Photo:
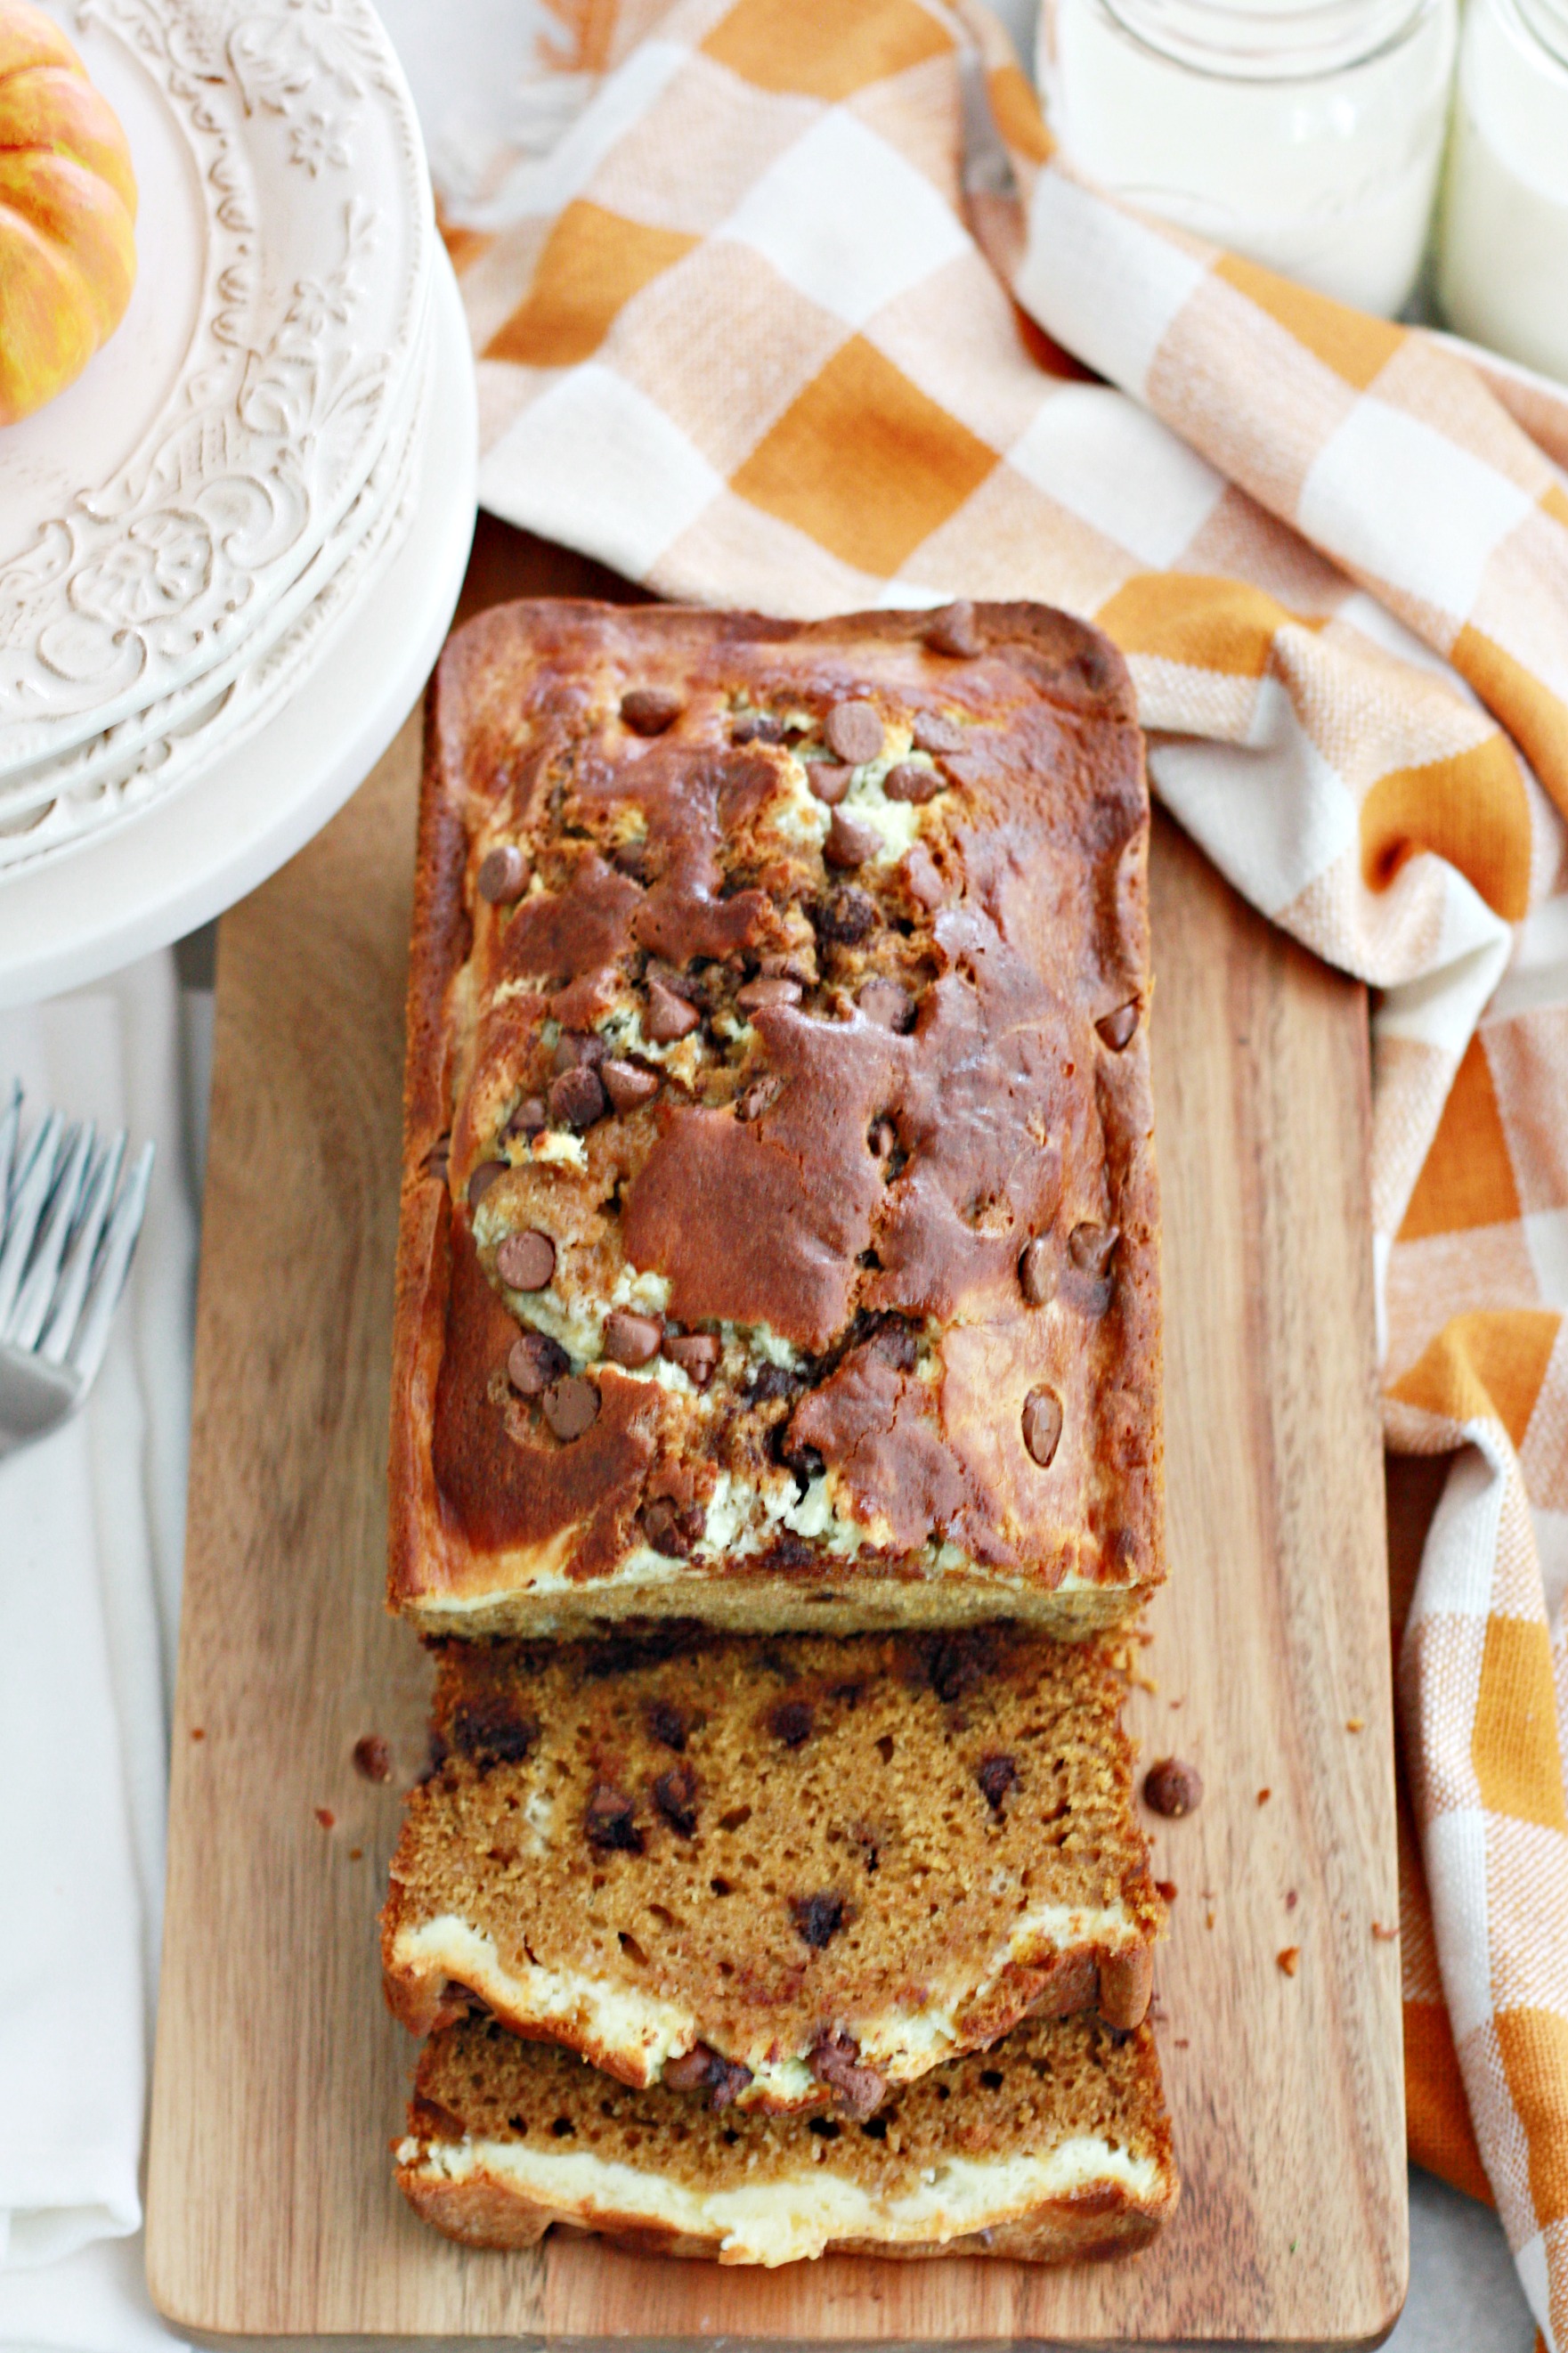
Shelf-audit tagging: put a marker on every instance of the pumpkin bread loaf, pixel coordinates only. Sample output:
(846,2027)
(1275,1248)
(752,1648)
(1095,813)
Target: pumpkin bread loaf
(790,1872)
(779,1221)
(1052,2147)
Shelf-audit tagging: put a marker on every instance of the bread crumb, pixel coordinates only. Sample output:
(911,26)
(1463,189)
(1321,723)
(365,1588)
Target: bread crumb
(1291,1899)
(1289,1959)
(1264,1796)
(356,1855)
(1209,1920)
(1167,1888)
(1384,1936)
(326,1817)
(1355,1723)
(197,1731)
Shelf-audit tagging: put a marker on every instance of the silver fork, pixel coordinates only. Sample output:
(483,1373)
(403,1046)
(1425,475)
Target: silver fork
(65,1241)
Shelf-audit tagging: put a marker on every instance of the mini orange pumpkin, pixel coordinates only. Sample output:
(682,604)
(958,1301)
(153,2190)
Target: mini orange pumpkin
(68,212)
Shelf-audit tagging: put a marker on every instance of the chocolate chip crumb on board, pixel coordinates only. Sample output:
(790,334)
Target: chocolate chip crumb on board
(797,1871)
(779,1219)
(1052,2147)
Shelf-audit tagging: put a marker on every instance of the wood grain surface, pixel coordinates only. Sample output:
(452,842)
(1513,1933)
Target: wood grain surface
(281,2078)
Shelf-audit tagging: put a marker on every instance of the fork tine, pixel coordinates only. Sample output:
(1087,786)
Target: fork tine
(28,1196)
(10,1131)
(32,1305)
(114,1263)
(76,1271)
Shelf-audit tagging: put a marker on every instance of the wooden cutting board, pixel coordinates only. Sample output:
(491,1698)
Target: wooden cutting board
(281,2077)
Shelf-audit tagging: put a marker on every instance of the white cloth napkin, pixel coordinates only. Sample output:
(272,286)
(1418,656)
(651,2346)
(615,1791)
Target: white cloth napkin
(91,1522)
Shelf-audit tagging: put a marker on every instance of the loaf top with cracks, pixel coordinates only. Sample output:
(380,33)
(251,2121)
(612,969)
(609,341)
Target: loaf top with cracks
(779,1225)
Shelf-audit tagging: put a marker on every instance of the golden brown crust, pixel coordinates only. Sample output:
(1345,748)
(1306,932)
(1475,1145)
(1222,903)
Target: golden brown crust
(485,2211)
(1016,1111)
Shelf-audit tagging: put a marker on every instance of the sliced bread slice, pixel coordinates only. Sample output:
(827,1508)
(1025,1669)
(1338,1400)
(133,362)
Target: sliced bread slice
(788,1873)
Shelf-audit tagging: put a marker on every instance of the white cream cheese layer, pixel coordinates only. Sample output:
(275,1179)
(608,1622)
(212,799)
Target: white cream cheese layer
(646,2028)
(791,2216)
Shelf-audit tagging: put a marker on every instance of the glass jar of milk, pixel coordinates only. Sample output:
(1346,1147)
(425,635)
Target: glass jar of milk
(1502,267)
(1305,133)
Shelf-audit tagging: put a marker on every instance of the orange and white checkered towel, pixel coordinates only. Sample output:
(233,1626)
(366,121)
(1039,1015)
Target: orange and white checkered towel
(785,321)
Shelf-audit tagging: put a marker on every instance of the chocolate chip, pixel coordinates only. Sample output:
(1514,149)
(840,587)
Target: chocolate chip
(1089,1247)
(672,1530)
(503,875)
(372,1759)
(850,843)
(854,732)
(627,1085)
(912,782)
(933,730)
(571,1406)
(575,1046)
(631,858)
(667,1726)
(1036,1274)
(818,1918)
(1117,1028)
(835,2061)
(896,1344)
(996,1775)
(757,727)
(768,1382)
(689,2072)
(954,631)
(771,990)
(1172,1788)
(526,1262)
(791,1722)
(956,1664)
(888,1005)
(675,1795)
(528,1118)
(609,1823)
(1042,1426)
(483,1177)
(669,1017)
(631,1339)
(649,710)
(828,780)
(490,1731)
(696,1353)
(921,877)
(845,918)
(534,1362)
(880,1138)
(727,2079)
(754,1100)
(577,1097)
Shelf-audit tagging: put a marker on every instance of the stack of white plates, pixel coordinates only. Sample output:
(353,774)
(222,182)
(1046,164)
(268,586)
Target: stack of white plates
(229,552)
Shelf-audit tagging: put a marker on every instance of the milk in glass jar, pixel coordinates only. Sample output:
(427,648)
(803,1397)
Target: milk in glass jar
(1502,270)
(1305,133)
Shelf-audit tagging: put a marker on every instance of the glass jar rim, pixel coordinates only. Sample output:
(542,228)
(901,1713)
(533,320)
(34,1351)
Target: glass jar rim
(1281,40)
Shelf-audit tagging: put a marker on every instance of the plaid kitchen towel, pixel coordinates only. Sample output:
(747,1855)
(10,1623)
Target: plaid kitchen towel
(805,311)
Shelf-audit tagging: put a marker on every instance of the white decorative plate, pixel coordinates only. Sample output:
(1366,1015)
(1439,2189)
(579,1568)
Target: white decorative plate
(195,851)
(47,806)
(188,731)
(152,511)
